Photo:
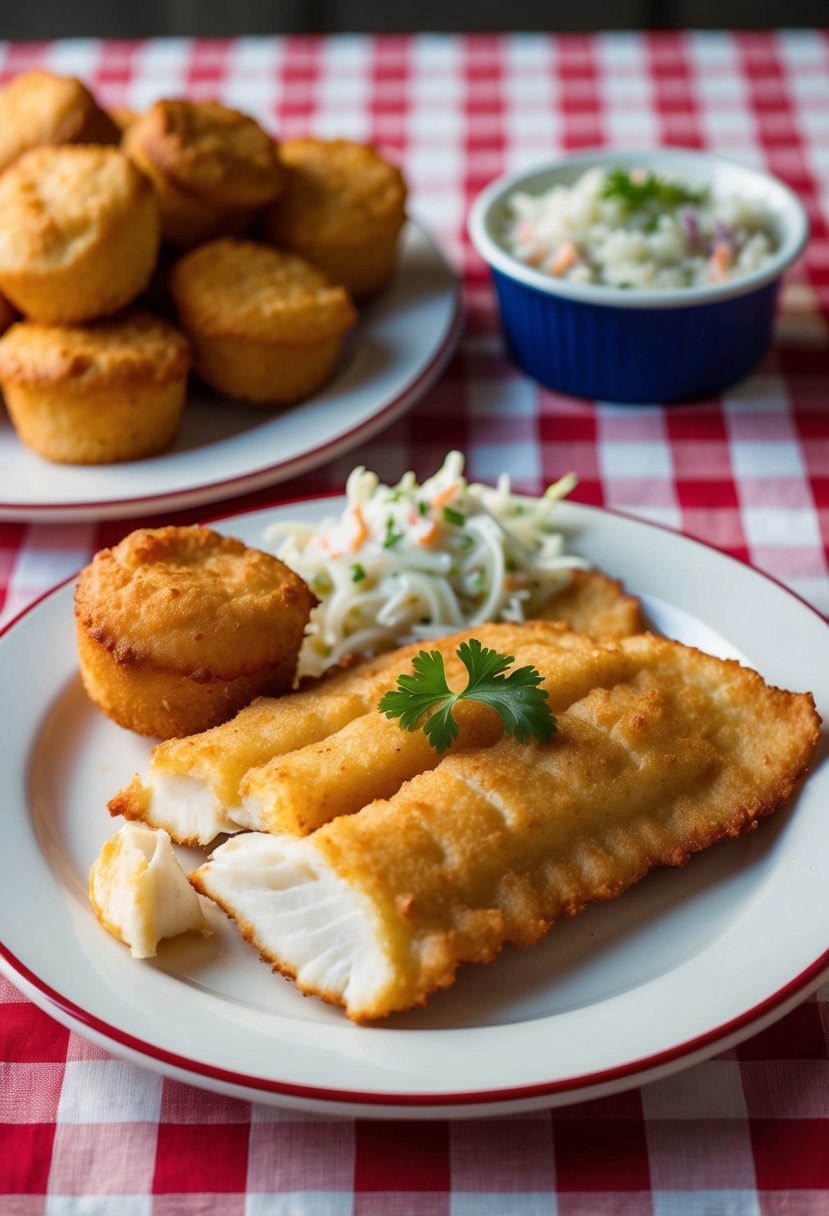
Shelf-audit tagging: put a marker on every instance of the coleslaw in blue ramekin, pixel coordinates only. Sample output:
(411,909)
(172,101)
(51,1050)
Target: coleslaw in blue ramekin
(647,343)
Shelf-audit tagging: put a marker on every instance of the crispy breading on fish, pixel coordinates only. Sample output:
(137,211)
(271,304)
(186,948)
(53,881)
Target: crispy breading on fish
(194,783)
(371,757)
(592,602)
(376,910)
(192,787)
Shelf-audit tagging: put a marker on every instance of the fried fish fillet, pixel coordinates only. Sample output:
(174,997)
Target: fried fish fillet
(371,757)
(594,603)
(193,784)
(376,910)
(193,781)
(367,759)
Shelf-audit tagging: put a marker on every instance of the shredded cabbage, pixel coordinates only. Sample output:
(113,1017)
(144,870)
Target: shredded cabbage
(416,561)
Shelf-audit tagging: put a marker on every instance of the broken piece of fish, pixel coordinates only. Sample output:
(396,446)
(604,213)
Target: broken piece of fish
(140,893)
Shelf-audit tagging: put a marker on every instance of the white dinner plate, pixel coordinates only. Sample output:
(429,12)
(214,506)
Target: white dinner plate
(685,964)
(399,348)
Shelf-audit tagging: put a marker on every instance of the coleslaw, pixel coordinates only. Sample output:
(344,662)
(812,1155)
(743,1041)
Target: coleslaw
(634,229)
(415,561)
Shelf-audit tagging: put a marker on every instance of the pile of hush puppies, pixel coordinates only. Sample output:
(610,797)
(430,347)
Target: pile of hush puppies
(252,252)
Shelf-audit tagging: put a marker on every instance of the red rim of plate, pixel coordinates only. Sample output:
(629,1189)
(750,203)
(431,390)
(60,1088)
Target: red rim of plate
(633,1069)
(735,1029)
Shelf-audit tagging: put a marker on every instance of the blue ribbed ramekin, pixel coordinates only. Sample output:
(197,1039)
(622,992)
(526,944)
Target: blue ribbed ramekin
(638,346)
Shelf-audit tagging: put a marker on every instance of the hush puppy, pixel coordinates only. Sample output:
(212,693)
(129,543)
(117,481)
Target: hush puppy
(264,325)
(179,627)
(109,391)
(342,209)
(80,233)
(39,107)
(214,169)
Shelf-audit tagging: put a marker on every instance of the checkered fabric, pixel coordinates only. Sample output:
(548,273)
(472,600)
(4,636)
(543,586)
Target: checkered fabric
(746,1134)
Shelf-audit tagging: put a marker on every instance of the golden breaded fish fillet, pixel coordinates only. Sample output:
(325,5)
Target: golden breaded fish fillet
(371,757)
(376,910)
(592,602)
(367,759)
(194,782)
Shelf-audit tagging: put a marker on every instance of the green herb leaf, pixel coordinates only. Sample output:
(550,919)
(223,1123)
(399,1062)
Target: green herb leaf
(651,190)
(451,516)
(517,697)
(417,694)
(392,535)
(357,572)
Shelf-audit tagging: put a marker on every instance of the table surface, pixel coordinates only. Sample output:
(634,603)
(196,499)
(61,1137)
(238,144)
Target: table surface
(744,1133)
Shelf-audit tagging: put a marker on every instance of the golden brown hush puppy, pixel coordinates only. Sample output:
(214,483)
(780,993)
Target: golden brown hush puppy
(213,168)
(80,233)
(179,627)
(264,325)
(39,107)
(109,391)
(342,209)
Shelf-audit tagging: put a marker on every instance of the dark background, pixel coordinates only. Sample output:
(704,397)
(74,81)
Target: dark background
(21,19)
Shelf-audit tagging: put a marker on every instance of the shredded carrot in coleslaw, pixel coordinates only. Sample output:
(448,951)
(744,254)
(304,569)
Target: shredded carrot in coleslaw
(361,533)
(446,495)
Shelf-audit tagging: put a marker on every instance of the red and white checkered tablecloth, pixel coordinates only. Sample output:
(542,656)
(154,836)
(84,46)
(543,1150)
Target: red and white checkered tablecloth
(746,1134)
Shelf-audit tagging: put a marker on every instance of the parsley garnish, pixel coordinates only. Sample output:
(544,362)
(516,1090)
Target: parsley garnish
(652,190)
(517,697)
(392,535)
(451,516)
(357,572)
